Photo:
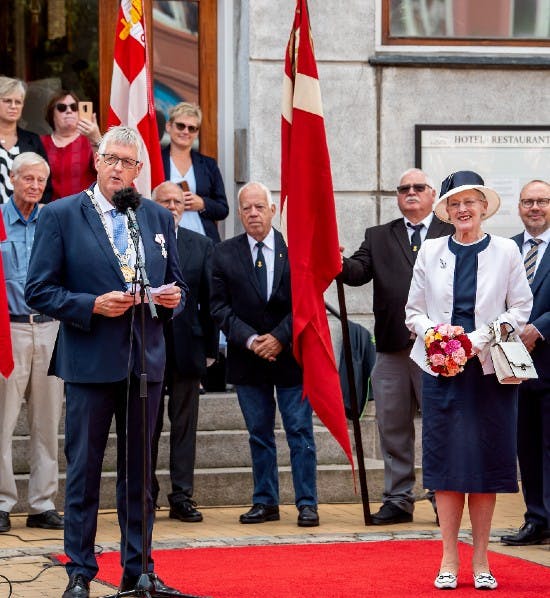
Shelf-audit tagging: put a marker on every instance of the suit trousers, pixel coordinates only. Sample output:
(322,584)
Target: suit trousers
(257,404)
(32,350)
(90,410)
(183,411)
(397,388)
(534,450)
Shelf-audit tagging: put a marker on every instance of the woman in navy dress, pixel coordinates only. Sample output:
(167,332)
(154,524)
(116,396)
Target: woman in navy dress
(469,279)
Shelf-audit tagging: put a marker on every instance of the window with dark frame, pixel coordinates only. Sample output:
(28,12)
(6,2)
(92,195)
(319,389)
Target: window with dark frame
(466,22)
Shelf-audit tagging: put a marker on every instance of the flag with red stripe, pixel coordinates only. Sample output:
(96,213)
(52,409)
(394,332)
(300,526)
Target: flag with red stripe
(132,93)
(6,354)
(309,216)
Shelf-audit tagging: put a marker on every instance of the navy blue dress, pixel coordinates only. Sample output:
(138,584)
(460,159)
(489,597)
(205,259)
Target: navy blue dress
(468,420)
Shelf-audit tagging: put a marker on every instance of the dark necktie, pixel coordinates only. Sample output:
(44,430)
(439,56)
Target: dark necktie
(416,240)
(530,259)
(260,269)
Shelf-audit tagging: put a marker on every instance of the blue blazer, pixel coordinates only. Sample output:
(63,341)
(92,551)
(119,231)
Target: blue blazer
(209,186)
(72,262)
(240,310)
(540,317)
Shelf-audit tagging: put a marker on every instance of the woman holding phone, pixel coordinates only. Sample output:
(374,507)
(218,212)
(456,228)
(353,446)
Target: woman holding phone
(71,145)
(198,175)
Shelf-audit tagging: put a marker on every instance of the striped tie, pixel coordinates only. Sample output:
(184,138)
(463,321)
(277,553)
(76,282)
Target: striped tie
(530,259)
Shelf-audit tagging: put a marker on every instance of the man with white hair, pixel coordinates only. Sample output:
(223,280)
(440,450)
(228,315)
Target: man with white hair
(386,257)
(251,302)
(33,337)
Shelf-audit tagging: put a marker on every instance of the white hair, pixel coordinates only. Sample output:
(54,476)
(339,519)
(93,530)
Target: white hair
(122,135)
(429,180)
(28,159)
(261,186)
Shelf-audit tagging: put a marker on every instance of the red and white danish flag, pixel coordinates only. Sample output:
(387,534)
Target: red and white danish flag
(132,92)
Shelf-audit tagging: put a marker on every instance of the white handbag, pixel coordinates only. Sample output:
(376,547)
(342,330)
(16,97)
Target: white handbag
(512,362)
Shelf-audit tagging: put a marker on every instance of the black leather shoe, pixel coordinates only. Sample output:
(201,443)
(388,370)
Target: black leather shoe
(308,516)
(390,514)
(260,514)
(154,585)
(185,511)
(5,523)
(78,587)
(46,520)
(529,533)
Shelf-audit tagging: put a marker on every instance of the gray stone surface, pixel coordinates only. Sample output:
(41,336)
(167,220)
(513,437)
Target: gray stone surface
(342,29)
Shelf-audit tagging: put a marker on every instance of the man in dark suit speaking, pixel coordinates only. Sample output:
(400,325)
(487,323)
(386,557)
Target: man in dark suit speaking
(80,268)
(251,302)
(191,345)
(387,257)
(534,395)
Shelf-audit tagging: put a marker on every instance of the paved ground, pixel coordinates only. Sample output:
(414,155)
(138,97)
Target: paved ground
(24,552)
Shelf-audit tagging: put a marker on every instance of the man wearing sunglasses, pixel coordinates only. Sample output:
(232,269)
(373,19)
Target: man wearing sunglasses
(386,257)
(82,262)
(534,395)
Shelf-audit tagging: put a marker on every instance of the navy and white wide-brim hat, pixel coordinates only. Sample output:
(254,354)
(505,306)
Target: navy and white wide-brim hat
(463,180)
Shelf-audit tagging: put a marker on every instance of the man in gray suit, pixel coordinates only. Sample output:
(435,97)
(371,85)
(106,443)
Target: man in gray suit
(386,257)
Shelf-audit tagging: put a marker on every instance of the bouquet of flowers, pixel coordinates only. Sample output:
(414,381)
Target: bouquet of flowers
(447,349)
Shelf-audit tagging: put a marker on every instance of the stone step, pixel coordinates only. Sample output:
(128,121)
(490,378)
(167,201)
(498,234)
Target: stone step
(217,411)
(215,449)
(233,486)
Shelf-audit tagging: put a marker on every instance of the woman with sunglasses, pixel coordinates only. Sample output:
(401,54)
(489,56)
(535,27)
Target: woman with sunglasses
(13,139)
(197,174)
(71,145)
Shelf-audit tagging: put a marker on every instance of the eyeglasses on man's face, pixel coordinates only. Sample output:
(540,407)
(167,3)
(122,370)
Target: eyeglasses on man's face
(418,188)
(113,160)
(183,126)
(63,107)
(529,203)
(169,201)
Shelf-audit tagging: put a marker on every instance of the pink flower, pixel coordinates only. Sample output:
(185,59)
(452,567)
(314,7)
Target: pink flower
(437,359)
(459,356)
(452,346)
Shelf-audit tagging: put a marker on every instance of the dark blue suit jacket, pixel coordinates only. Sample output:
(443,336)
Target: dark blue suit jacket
(72,262)
(192,336)
(209,187)
(540,317)
(240,310)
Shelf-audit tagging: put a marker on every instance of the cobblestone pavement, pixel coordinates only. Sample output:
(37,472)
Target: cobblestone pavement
(25,553)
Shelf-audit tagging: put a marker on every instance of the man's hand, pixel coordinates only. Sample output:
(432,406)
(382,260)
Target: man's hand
(169,298)
(193,202)
(267,347)
(529,336)
(113,304)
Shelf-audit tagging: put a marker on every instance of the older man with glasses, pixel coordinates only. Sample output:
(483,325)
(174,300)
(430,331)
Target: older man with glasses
(80,272)
(386,257)
(534,395)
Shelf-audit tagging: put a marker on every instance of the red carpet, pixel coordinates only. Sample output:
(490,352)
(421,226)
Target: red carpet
(371,569)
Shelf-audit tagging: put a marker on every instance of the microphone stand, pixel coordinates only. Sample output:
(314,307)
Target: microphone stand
(144,586)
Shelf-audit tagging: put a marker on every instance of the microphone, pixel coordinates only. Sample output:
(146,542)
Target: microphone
(127,201)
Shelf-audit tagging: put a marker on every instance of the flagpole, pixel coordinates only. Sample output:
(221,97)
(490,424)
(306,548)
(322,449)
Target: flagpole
(353,401)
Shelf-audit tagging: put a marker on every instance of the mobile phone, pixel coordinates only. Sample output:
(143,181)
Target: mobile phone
(184,185)
(85,110)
